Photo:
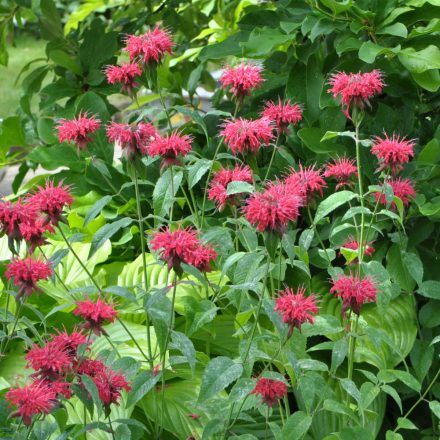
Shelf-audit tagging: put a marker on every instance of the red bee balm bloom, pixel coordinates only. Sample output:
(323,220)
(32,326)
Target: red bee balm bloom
(70,343)
(272,209)
(356,89)
(219,185)
(26,274)
(51,200)
(352,244)
(243,135)
(270,390)
(124,74)
(30,400)
(296,308)
(169,147)
(342,169)
(95,314)
(133,139)
(151,47)
(49,361)
(308,180)
(392,152)
(33,232)
(182,246)
(402,188)
(241,79)
(13,215)
(354,291)
(78,129)
(282,114)
(108,383)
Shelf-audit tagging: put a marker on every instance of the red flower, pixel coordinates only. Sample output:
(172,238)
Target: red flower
(244,135)
(392,152)
(274,208)
(150,47)
(342,169)
(354,291)
(26,274)
(108,383)
(352,244)
(241,79)
(182,246)
(70,343)
(78,129)
(51,200)
(60,387)
(282,114)
(95,314)
(133,139)
(219,184)
(402,188)
(170,146)
(49,361)
(270,390)
(296,308)
(13,215)
(124,74)
(356,89)
(33,232)
(30,400)
(308,180)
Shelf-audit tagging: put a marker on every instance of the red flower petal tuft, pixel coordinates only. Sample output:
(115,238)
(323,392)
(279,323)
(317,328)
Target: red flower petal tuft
(270,390)
(241,79)
(282,114)
(342,169)
(402,188)
(95,314)
(77,130)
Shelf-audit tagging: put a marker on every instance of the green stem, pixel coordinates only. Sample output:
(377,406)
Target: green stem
(85,421)
(312,223)
(111,427)
(421,398)
(272,157)
(149,360)
(17,316)
(361,192)
(144,260)
(167,340)
(162,101)
(55,272)
(172,195)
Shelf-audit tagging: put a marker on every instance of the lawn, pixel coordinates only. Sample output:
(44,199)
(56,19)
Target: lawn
(24,50)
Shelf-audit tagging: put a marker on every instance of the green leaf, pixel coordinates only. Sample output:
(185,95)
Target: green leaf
(63,59)
(93,391)
(96,209)
(369,51)
(142,384)
(391,435)
(394,394)
(404,423)
(297,426)
(331,203)
(430,289)
(238,187)
(262,41)
(162,194)
(220,372)
(312,139)
(333,134)
(338,6)
(227,47)
(396,29)
(420,61)
(407,378)
(339,353)
(106,232)
(197,171)
(181,342)
(435,408)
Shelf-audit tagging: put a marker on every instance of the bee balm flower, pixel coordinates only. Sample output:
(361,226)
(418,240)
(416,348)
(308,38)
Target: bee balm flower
(342,170)
(282,114)
(270,390)
(356,89)
(402,188)
(241,79)
(95,314)
(308,180)
(125,75)
(78,129)
(170,147)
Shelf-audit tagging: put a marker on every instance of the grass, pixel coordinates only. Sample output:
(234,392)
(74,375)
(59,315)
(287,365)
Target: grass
(25,49)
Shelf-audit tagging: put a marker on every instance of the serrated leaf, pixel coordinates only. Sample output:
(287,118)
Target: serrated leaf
(197,171)
(142,384)
(181,342)
(219,373)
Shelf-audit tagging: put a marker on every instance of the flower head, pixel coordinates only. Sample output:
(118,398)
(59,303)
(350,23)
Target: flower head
(270,390)
(296,308)
(51,201)
(244,135)
(219,184)
(402,188)
(13,215)
(282,114)
(125,75)
(69,343)
(356,89)
(108,383)
(95,314)
(26,273)
(241,79)
(342,169)
(49,361)
(182,246)
(32,231)
(354,291)
(134,139)
(31,400)
(272,209)
(151,47)
(392,152)
(353,245)
(170,146)
(308,180)
(78,129)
